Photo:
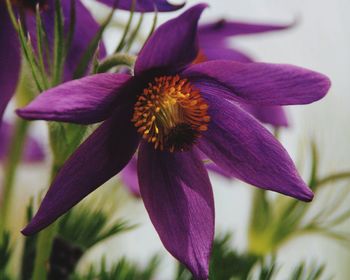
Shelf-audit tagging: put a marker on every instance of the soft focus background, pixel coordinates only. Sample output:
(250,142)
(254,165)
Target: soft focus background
(320,41)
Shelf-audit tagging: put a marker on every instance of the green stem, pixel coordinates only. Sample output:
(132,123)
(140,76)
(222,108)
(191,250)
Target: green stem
(115,60)
(44,244)
(46,236)
(14,158)
(43,252)
(127,28)
(333,177)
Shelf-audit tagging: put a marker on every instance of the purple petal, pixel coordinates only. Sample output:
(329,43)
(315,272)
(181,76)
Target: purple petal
(259,83)
(33,150)
(218,170)
(144,5)
(99,158)
(129,177)
(174,44)
(9,59)
(273,115)
(224,53)
(88,100)
(178,197)
(213,33)
(237,142)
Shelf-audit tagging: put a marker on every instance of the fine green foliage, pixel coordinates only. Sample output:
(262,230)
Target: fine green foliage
(86,228)
(28,254)
(91,49)
(303,272)
(225,263)
(275,221)
(5,253)
(122,270)
(229,264)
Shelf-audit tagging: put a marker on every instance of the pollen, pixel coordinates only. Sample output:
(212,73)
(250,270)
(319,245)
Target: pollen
(171,114)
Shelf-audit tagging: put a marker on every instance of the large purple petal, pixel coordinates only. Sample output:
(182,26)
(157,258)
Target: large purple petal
(274,115)
(211,34)
(144,5)
(178,197)
(100,157)
(129,177)
(259,83)
(9,59)
(173,45)
(237,142)
(87,100)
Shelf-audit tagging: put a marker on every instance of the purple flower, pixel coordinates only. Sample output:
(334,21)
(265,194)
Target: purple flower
(33,150)
(85,26)
(213,41)
(144,5)
(173,111)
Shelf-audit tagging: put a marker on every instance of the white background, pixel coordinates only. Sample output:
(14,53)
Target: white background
(321,41)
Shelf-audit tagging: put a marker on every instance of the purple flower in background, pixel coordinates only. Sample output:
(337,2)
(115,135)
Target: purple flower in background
(144,5)
(33,150)
(85,30)
(173,112)
(214,45)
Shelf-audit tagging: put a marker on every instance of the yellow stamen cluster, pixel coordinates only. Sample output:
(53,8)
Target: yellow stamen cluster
(171,114)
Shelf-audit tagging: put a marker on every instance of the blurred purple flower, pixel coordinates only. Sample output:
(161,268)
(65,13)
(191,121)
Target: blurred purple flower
(144,5)
(173,110)
(85,30)
(214,45)
(33,150)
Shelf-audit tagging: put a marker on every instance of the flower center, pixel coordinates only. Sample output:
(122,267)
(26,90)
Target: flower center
(171,114)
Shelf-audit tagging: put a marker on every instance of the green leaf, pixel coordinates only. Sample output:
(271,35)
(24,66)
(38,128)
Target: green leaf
(58,49)
(126,28)
(71,30)
(91,222)
(314,166)
(40,33)
(91,49)
(30,56)
(303,272)
(29,250)
(133,35)
(5,251)
(225,262)
(122,270)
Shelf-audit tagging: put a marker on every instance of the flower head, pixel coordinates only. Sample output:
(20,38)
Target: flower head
(172,111)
